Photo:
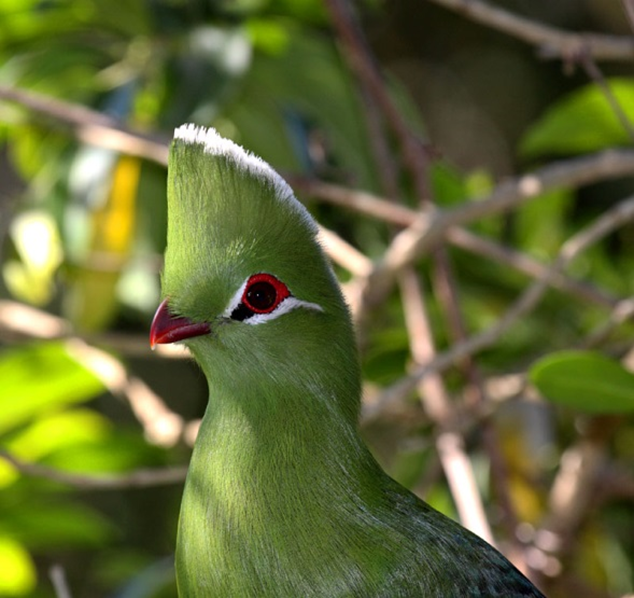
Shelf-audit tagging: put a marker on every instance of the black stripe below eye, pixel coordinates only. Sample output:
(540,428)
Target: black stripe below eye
(241,313)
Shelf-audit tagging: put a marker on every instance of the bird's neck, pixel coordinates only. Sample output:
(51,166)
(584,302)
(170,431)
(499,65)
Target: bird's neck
(264,478)
(271,452)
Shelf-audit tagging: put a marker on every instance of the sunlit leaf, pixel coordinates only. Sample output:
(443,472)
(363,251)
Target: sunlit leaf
(17,571)
(584,381)
(8,473)
(38,245)
(583,121)
(118,452)
(59,430)
(39,379)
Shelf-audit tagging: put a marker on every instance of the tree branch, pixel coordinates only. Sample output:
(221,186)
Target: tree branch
(141,478)
(550,41)
(90,126)
(432,392)
(605,224)
(429,228)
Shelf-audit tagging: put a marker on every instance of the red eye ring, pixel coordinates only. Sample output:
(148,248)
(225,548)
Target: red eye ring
(263,293)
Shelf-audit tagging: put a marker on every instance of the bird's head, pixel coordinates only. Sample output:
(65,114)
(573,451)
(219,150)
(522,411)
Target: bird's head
(247,287)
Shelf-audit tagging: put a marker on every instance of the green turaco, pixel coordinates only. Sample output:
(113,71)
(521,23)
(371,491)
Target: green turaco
(283,499)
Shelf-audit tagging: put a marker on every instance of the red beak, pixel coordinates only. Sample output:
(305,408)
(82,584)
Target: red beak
(167,328)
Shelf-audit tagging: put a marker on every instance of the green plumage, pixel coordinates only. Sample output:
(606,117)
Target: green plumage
(282,498)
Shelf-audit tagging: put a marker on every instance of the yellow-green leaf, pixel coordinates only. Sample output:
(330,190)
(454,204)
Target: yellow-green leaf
(583,121)
(17,571)
(40,379)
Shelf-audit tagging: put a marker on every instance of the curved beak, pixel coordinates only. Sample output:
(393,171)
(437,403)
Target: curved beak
(167,328)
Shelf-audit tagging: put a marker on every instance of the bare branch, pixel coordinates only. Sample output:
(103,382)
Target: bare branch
(90,126)
(595,74)
(364,66)
(383,209)
(628,5)
(20,321)
(58,579)
(433,395)
(550,41)
(606,223)
(353,199)
(161,425)
(344,254)
(429,228)
(622,311)
(526,264)
(572,494)
(141,478)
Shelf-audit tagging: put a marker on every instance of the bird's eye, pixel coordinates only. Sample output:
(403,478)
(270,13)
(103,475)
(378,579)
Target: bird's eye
(263,293)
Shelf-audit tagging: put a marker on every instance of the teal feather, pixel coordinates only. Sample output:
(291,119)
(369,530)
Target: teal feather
(282,498)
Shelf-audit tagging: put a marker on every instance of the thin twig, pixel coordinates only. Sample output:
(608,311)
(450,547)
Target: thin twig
(605,224)
(383,209)
(594,72)
(161,425)
(57,576)
(446,289)
(550,41)
(628,5)
(344,254)
(522,262)
(429,228)
(571,494)
(91,127)
(353,199)
(141,478)
(363,65)
(621,313)
(433,395)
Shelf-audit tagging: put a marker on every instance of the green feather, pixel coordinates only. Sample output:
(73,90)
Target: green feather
(282,498)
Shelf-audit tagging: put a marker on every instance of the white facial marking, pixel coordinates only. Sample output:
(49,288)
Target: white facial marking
(285,306)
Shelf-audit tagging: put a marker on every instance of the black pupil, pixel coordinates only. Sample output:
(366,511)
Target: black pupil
(261,295)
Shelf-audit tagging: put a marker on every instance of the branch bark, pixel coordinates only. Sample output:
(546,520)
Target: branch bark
(430,227)
(605,224)
(141,478)
(550,41)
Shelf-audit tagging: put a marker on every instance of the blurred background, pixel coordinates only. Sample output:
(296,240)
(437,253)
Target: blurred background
(408,105)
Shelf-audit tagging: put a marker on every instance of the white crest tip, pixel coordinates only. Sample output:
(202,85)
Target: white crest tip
(216,145)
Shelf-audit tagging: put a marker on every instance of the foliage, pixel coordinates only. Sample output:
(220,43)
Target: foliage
(585,381)
(82,231)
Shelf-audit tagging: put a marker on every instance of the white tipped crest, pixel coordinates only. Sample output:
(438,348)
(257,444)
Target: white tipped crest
(216,145)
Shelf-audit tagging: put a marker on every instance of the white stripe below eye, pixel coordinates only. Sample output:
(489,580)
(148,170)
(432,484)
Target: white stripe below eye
(286,305)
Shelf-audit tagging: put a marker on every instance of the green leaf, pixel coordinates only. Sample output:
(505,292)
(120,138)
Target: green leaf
(17,571)
(585,381)
(73,428)
(447,183)
(47,523)
(121,451)
(540,225)
(276,105)
(582,122)
(41,379)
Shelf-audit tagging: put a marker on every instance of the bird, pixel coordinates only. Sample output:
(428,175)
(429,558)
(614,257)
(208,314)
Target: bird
(282,498)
